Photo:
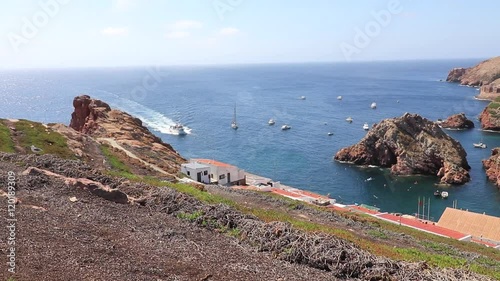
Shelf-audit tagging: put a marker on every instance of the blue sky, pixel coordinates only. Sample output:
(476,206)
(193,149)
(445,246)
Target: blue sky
(78,33)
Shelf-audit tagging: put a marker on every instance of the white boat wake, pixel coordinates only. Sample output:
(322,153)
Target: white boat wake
(150,117)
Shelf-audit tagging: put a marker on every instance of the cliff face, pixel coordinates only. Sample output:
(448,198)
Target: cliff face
(490,117)
(124,132)
(458,122)
(410,145)
(492,166)
(486,74)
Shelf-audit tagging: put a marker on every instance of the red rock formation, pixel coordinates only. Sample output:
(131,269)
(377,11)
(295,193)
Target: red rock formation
(87,110)
(410,145)
(492,166)
(490,116)
(96,119)
(457,121)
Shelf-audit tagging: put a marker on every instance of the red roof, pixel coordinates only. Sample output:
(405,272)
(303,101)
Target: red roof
(214,163)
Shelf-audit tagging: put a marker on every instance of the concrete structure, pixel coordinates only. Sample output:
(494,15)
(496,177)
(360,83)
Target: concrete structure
(196,171)
(222,173)
(479,226)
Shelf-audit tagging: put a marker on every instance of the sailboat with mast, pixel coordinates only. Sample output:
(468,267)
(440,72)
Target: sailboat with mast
(234,125)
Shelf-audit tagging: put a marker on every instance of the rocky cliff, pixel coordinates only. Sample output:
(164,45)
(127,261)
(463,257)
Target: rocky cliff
(457,122)
(409,145)
(490,116)
(124,133)
(492,166)
(486,74)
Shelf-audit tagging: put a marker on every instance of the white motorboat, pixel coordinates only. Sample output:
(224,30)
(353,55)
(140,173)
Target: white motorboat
(234,125)
(178,129)
(444,194)
(271,122)
(330,133)
(339,97)
(373,105)
(285,127)
(366,127)
(349,119)
(479,145)
(302,97)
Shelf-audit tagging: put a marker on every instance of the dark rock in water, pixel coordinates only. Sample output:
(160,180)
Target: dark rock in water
(492,168)
(410,145)
(457,121)
(490,117)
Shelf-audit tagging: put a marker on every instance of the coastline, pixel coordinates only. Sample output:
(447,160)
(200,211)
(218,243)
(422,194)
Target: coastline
(254,182)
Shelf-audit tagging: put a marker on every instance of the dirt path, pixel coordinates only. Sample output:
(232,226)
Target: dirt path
(115,144)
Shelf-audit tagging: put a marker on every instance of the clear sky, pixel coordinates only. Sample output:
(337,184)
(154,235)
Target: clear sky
(73,33)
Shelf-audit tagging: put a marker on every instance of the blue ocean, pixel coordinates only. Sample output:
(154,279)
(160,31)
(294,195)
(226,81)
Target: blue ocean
(203,98)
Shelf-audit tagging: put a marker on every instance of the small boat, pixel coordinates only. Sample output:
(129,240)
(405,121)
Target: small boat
(178,129)
(285,127)
(366,127)
(373,105)
(330,133)
(437,193)
(349,119)
(444,194)
(479,145)
(271,122)
(339,97)
(234,125)
(369,179)
(302,97)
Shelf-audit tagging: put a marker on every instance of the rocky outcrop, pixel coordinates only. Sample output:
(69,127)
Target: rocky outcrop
(410,145)
(456,74)
(482,74)
(492,166)
(457,122)
(485,75)
(490,116)
(96,118)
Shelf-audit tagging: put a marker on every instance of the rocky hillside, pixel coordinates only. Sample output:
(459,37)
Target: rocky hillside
(486,74)
(78,224)
(409,145)
(490,116)
(126,134)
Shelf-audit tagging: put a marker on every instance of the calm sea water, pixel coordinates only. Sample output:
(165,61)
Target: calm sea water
(203,98)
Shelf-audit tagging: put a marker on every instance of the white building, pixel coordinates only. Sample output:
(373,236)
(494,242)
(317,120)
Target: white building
(196,171)
(222,173)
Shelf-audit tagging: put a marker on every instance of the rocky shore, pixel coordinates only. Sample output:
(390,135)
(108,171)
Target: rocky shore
(485,75)
(410,145)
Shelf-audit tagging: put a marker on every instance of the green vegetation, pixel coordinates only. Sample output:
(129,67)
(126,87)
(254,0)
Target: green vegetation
(377,234)
(437,251)
(190,217)
(34,133)
(115,163)
(6,143)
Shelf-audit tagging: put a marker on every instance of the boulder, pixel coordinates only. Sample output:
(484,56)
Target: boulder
(410,145)
(457,122)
